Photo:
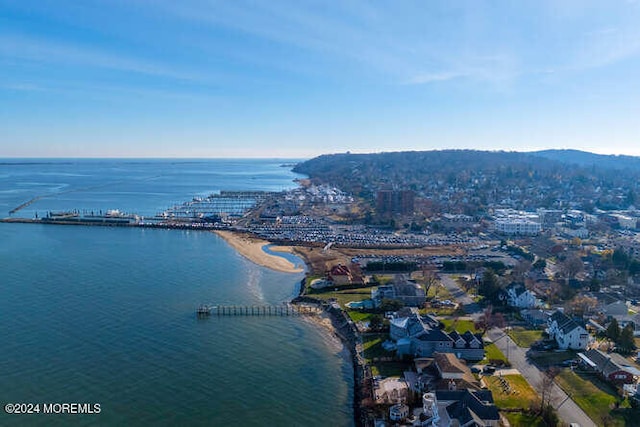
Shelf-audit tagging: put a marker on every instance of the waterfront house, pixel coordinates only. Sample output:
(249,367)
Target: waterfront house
(422,337)
(444,371)
(406,291)
(567,332)
(382,292)
(340,275)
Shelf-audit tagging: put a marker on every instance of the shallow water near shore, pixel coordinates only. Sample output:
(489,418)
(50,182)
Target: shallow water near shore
(107,315)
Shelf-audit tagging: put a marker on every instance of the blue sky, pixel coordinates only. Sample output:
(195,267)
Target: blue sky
(166,78)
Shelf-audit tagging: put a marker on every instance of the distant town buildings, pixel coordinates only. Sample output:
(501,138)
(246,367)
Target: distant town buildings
(392,202)
(508,221)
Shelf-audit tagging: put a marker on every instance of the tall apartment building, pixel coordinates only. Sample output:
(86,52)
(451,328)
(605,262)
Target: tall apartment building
(394,202)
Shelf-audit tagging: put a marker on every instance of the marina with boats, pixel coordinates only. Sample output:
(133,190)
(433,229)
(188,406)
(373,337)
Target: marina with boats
(211,212)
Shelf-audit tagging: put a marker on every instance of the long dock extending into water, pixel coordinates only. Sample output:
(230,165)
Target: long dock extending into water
(206,310)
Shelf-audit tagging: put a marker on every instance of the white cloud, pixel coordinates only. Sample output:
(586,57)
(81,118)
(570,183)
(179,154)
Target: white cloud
(46,51)
(390,41)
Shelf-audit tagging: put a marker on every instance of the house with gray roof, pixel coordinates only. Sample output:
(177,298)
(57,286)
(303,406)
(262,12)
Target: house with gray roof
(612,367)
(567,332)
(473,408)
(517,295)
(401,289)
(422,336)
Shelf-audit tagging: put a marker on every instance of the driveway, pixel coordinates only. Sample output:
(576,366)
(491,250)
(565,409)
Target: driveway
(568,410)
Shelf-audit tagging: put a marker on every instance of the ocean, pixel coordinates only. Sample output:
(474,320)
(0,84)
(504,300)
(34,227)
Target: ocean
(107,315)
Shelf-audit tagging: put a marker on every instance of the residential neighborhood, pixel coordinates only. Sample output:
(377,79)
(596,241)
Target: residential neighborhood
(470,306)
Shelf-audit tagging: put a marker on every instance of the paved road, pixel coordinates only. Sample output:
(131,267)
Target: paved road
(468,305)
(568,410)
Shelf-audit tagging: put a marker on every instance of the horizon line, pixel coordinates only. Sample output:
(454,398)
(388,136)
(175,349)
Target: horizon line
(306,157)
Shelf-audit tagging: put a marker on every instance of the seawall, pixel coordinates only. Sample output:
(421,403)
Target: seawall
(346,330)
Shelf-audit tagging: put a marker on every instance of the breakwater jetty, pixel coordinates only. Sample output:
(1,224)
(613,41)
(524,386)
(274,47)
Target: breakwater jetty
(207,310)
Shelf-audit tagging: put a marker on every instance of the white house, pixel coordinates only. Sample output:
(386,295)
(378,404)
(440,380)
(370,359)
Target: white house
(567,333)
(516,295)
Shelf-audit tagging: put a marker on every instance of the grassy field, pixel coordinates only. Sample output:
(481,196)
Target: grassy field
(522,394)
(344,296)
(544,359)
(389,369)
(441,311)
(438,291)
(595,397)
(358,316)
(519,419)
(459,325)
(372,345)
(524,337)
(492,352)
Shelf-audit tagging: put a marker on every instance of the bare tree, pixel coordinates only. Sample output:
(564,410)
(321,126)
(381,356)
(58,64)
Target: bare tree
(488,320)
(520,270)
(546,386)
(571,266)
(430,278)
(581,305)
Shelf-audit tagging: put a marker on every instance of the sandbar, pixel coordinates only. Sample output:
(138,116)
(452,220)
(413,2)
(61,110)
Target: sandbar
(252,249)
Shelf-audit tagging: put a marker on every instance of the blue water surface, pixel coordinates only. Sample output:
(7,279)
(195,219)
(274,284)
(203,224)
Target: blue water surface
(107,315)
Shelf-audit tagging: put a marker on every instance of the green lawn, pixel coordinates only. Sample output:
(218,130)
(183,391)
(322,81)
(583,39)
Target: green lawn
(343,296)
(592,395)
(442,311)
(438,291)
(492,352)
(372,346)
(524,337)
(519,419)
(359,316)
(389,369)
(522,394)
(459,325)
(544,359)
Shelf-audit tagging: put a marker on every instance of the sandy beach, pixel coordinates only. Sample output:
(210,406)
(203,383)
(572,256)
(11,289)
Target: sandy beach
(251,248)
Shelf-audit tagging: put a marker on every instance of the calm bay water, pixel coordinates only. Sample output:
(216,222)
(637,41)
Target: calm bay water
(106,315)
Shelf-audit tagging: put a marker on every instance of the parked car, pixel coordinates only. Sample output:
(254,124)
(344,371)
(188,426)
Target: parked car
(489,369)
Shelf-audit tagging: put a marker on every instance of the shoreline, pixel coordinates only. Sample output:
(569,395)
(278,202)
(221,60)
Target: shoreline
(336,322)
(252,249)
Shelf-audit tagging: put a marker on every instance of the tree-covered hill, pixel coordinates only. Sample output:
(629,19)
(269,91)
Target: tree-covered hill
(468,181)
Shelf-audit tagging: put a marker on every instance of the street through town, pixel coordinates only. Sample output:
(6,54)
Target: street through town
(568,410)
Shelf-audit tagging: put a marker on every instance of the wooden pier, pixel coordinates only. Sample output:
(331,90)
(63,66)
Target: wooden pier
(206,310)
